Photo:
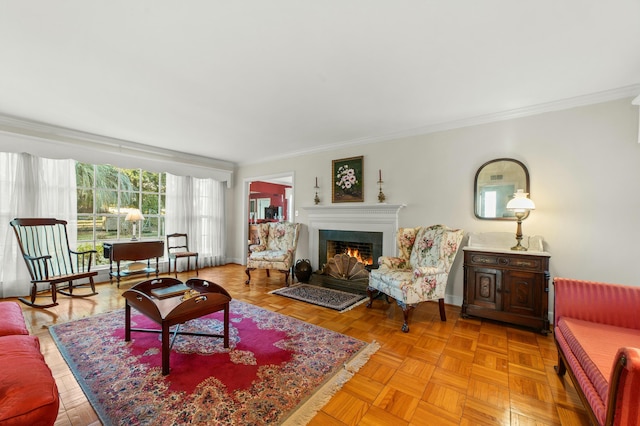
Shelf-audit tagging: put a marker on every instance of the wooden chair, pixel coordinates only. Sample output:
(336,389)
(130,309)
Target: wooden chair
(44,244)
(178,248)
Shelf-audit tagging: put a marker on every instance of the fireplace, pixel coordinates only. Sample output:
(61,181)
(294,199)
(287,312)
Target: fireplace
(366,247)
(379,219)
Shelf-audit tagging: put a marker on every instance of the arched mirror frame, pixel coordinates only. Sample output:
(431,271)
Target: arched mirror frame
(505,191)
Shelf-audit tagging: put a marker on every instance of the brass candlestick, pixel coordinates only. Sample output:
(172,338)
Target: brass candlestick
(381,196)
(316,200)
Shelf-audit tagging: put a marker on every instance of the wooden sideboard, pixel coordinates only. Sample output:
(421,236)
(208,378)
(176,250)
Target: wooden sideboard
(508,286)
(132,251)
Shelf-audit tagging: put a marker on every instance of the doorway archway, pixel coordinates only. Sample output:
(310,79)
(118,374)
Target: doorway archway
(283,179)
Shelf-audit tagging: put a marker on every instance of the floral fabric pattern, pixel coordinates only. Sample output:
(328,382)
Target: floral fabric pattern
(426,250)
(393,262)
(424,275)
(406,238)
(277,248)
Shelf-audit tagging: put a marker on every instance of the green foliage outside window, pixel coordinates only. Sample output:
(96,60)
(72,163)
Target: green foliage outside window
(106,193)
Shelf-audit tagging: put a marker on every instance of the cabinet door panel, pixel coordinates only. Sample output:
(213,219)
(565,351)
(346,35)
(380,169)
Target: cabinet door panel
(487,284)
(521,293)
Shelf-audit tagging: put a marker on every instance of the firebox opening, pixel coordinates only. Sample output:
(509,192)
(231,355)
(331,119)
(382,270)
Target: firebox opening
(361,251)
(365,246)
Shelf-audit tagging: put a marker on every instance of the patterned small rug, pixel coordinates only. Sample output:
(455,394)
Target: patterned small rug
(277,370)
(322,296)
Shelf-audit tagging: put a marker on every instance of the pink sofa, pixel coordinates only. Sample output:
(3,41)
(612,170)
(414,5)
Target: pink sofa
(597,333)
(28,392)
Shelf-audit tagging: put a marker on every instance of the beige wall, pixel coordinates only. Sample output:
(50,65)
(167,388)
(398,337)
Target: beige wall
(584,166)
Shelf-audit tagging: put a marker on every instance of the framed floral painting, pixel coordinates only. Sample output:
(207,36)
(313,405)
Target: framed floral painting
(348,185)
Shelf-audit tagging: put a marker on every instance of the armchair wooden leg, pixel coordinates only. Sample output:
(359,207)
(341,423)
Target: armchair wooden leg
(372,295)
(443,315)
(248,272)
(405,311)
(286,276)
(375,294)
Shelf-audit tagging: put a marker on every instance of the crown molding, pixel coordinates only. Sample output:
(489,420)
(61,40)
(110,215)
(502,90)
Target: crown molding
(31,128)
(563,104)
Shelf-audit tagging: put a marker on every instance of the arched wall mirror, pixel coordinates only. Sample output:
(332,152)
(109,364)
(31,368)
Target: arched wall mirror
(496,182)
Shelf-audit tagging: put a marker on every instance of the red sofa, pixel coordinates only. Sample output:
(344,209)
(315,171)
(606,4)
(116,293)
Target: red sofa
(597,333)
(28,391)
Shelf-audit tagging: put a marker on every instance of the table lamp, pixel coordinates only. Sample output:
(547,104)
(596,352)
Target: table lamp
(134,216)
(520,205)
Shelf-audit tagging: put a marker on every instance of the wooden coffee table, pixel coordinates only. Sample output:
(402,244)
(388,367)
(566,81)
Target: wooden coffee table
(162,300)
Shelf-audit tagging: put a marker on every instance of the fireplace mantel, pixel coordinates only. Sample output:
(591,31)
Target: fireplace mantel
(354,217)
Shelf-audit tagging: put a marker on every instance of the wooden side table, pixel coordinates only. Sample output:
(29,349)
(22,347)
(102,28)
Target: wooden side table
(133,251)
(508,286)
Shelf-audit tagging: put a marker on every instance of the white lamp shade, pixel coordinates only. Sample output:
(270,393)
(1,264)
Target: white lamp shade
(134,215)
(520,202)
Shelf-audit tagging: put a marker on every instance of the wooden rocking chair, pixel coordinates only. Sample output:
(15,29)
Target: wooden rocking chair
(45,248)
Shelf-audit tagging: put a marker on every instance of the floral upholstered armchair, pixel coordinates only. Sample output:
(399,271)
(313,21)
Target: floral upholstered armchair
(276,250)
(420,271)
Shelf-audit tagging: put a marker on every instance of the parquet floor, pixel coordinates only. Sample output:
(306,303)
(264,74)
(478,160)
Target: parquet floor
(458,372)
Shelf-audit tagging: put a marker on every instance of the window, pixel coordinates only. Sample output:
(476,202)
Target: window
(105,196)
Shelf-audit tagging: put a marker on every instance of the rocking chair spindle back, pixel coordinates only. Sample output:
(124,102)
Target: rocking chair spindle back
(44,244)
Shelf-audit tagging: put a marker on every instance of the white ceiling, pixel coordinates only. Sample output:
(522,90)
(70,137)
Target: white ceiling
(245,81)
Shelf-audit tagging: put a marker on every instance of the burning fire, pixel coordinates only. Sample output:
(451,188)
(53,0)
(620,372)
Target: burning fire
(356,253)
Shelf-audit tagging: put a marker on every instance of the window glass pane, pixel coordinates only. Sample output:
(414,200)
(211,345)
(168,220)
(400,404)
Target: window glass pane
(85,200)
(106,201)
(150,181)
(133,178)
(106,176)
(126,228)
(150,227)
(149,204)
(84,175)
(129,200)
(110,230)
(85,228)
(99,257)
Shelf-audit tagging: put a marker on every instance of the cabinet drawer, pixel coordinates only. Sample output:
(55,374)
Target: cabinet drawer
(503,260)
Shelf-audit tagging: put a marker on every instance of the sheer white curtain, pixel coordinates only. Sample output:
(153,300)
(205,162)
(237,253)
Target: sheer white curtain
(31,187)
(196,207)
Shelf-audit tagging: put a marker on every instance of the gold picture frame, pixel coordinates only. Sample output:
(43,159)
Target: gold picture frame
(347,180)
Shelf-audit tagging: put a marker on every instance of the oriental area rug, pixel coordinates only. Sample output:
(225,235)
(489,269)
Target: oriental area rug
(277,369)
(322,296)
